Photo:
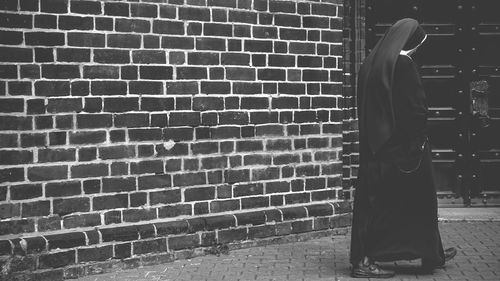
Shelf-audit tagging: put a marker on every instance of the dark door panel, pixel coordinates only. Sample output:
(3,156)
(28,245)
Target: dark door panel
(442,133)
(441,91)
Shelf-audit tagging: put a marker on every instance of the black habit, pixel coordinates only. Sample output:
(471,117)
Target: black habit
(395,204)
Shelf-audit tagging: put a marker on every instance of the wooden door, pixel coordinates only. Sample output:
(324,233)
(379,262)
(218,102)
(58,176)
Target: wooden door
(460,70)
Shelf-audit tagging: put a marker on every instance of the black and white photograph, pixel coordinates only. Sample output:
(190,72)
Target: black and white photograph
(238,140)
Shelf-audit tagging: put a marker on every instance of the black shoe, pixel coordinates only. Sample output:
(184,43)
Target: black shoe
(371,271)
(449,254)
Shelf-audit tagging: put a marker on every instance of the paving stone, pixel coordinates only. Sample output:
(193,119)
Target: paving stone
(327,259)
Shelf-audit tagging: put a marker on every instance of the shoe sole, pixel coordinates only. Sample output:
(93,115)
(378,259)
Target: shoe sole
(365,275)
(450,257)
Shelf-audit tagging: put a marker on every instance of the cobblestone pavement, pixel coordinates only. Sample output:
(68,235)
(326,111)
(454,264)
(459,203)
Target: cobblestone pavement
(478,258)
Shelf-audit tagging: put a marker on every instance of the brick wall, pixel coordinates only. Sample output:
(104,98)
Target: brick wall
(353,26)
(132,131)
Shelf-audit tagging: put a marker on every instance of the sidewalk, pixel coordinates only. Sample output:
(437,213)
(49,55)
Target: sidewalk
(477,240)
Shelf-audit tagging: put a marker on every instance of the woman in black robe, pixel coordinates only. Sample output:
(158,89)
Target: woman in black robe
(395,203)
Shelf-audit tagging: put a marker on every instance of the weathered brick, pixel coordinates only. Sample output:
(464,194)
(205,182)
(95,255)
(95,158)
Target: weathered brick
(16,20)
(171,42)
(8,140)
(44,38)
(149,56)
(52,88)
(150,246)
(172,227)
(71,205)
(15,157)
(8,211)
(131,120)
(125,233)
(89,170)
(58,259)
(111,56)
(143,10)
(87,137)
(255,202)
(277,187)
(110,202)
(131,25)
(154,181)
(49,223)
(261,231)
(199,194)
(135,215)
(184,242)
(11,37)
(175,210)
(17,226)
(44,173)
(282,6)
(302,226)
(167,11)
(208,43)
(83,220)
(224,206)
(116,9)
(104,23)
(201,208)
(122,251)
(8,54)
(231,235)
(85,7)
(64,105)
(95,254)
(168,27)
(101,72)
(112,217)
(118,184)
(91,121)
(248,189)
(25,191)
(33,140)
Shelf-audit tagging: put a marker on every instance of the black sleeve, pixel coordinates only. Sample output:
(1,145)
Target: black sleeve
(410,107)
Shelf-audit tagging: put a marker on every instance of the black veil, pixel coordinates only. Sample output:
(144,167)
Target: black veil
(376,115)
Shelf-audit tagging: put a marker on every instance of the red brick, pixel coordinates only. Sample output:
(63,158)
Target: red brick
(89,170)
(122,251)
(95,254)
(110,202)
(44,38)
(71,205)
(116,9)
(125,233)
(16,20)
(143,10)
(56,260)
(199,194)
(85,7)
(165,197)
(8,211)
(168,27)
(135,215)
(150,246)
(175,210)
(118,184)
(261,231)
(231,235)
(17,226)
(184,242)
(254,202)
(154,181)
